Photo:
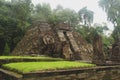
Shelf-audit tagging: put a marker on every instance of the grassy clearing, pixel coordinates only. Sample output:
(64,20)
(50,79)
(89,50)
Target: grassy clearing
(29,58)
(26,67)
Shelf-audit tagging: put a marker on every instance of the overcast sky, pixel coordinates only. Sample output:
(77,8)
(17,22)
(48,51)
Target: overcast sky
(99,14)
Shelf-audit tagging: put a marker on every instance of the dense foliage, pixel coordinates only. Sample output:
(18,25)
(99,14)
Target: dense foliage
(112,8)
(16,17)
(14,20)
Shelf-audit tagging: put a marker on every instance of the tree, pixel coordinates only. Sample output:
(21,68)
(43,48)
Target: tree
(6,49)
(111,7)
(5,29)
(116,33)
(95,29)
(64,15)
(42,12)
(100,28)
(86,16)
(14,20)
(21,11)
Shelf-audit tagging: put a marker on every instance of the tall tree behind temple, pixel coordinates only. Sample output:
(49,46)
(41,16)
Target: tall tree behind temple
(14,18)
(41,12)
(5,30)
(66,15)
(86,16)
(112,8)
(22,12)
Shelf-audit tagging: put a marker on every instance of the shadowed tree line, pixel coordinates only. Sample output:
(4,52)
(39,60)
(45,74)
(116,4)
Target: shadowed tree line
(16,17)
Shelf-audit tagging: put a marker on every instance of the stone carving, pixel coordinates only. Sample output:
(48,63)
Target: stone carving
(56,40)
(67,53)
(48,39)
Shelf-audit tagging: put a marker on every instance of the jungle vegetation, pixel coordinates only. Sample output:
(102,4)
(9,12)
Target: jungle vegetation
(17,16)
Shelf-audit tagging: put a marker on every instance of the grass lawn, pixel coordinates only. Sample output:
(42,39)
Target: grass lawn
(26,67)
(43,58)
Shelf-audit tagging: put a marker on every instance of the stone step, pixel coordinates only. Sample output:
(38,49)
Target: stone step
(72,41)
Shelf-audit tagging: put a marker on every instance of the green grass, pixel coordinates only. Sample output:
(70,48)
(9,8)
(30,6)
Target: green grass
(29,58)
(26,67)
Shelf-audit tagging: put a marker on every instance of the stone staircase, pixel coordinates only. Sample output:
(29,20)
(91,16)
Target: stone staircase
(72,41)
(70,46)
(68,36)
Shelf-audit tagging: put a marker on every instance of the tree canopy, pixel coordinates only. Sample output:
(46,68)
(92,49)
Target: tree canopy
(111,7)
(86,16)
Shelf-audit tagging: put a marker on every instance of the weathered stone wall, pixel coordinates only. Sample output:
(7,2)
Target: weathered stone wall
(86,49)
(96,73)
(115,56)
(56,40)
(37,41)
(98,57)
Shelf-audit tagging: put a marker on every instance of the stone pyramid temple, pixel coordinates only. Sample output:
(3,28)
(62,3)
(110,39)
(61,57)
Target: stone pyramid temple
(55,40)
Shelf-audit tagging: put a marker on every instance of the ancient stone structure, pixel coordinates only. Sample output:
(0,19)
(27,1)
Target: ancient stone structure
(95,73)
(115,56)
(56,40)
(98,57)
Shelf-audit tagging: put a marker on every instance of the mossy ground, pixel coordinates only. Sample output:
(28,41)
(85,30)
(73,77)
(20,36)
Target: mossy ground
(26,67)
(29,57)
